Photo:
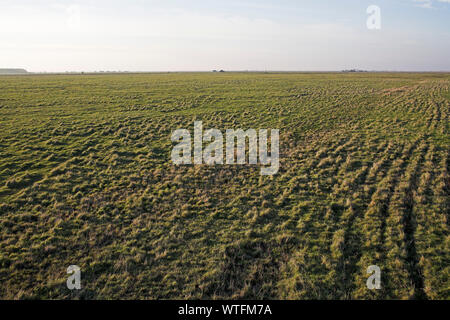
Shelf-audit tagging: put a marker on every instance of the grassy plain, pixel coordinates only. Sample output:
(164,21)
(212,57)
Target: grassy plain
(86,179)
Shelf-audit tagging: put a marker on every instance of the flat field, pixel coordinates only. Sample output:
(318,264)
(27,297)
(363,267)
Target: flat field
(86,179)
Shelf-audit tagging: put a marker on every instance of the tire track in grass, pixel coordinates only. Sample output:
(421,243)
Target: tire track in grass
(305,272)
(373,227)
(401,259)
(340,209)
(433,226)
(331,283)
(431,233)
(346,244)
(409,226)
(425,232)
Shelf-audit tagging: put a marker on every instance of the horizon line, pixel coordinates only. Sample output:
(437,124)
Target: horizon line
(224,71)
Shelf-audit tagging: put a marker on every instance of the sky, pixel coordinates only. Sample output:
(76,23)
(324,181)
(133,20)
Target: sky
(202,35)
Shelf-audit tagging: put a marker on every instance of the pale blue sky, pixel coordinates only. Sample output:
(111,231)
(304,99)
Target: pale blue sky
(180,35)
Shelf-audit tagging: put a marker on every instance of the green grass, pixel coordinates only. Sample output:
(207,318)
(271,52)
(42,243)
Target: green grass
(86,179)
